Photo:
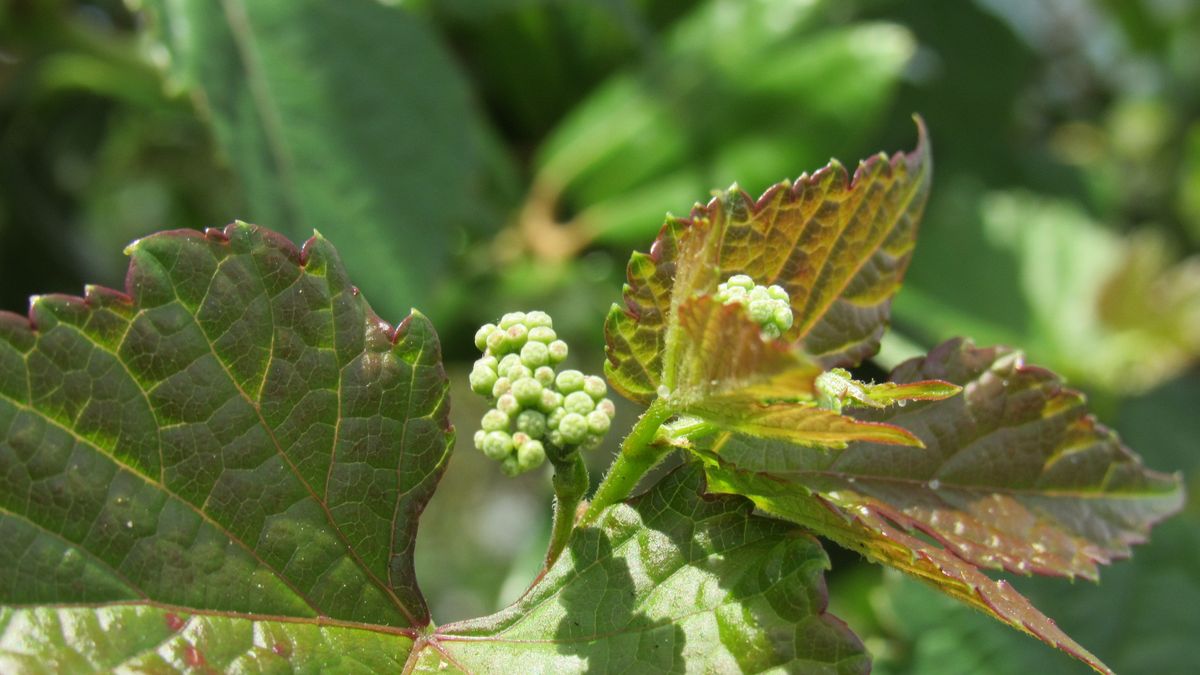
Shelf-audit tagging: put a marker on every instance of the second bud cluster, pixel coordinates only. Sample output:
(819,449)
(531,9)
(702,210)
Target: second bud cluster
(536,408)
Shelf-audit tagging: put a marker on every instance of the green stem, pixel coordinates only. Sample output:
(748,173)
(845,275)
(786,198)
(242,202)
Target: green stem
(570,486)
(638,455)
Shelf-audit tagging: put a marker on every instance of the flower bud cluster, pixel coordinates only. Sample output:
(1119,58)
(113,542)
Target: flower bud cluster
(768,306)
(535,408)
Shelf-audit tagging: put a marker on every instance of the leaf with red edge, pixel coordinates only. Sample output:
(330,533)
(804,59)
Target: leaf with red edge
(838,245)
(884,541)
(1014,475)
(728,375)
(237,436)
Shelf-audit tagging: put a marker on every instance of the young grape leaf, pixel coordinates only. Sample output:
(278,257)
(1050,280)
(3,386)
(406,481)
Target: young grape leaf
(668,580)
(838,245)
(881,541)
(239,433)
(1014,475)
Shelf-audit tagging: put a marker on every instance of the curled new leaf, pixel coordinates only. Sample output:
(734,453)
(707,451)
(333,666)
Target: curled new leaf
(838,246)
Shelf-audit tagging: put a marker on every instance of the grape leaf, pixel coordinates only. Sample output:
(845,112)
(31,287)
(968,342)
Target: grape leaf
(668,581)
(141,638)
(325,114)
(239,433)
(838,245)
(1014,475)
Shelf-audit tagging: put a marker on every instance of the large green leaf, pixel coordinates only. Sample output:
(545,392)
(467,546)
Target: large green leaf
(670,581)
(238,434)
(838,245)
(1014,474)
(347,116)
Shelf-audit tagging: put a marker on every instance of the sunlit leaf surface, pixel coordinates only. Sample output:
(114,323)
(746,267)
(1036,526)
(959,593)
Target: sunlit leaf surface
(838,245)
(240,433)
(1015,474)
(667,582)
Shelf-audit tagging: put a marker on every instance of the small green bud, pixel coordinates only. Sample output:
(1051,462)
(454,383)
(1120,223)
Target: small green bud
(758,293)
(554,418)
(578,402)
(487,361)
(527,391)
(545,375)
(556,439)
(740,281)
(532,422)
(595,387)
(530,455)
(481,335)
(558,351)
(494,420)
(508,404)
(551,400)
(511,319)
(520,438)
(783,317)
(776,292)
(502,386)
(543,334)
(497,445)
(537,319)
(511,466)
(591,441)
(569,381)
(507,363)
(574,428)
(598,423)
(495,341)
(737,295)
(519,371)
(535,354)
(607,407)
(515,337)
(482,380)
(761,311)
(770,331)
(479,436)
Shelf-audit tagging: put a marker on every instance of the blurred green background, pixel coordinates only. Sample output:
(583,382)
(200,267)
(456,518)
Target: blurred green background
(471,157)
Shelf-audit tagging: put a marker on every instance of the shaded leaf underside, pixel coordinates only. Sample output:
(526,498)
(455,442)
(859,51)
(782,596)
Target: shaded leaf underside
(239,433)
(669,581)
(1014,474)
(838,245)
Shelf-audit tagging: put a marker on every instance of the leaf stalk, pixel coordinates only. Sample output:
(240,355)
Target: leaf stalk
(639,454)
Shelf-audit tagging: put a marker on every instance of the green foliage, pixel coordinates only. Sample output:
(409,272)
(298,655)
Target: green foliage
(235,439)
(471,158)
(305,155)
(670,581)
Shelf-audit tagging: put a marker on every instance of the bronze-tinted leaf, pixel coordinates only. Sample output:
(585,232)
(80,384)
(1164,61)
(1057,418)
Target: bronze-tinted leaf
(838,245)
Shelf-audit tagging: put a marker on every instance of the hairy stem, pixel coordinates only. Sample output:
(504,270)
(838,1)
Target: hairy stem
(570,486)
(638,455)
